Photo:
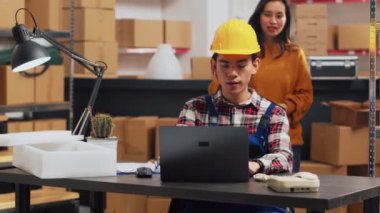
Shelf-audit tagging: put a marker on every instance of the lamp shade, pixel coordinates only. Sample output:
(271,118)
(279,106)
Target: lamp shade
(27,53)
(164,64)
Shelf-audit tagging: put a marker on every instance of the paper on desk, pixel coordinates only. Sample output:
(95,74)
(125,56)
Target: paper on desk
(22,138)
(131,167)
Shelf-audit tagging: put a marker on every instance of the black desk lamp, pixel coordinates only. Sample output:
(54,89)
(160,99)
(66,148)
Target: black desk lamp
(28,54)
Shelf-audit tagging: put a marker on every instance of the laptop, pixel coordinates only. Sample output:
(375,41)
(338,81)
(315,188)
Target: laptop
(204,153)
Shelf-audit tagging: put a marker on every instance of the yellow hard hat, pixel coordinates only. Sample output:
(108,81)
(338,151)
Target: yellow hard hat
(235,37)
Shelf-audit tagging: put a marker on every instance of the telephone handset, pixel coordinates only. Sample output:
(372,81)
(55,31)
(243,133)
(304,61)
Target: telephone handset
(298,182)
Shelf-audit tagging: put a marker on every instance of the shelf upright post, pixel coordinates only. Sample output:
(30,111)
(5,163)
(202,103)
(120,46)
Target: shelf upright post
(71,71)
(372,89)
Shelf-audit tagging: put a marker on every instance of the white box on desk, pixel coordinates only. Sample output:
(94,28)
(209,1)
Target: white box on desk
(63,160)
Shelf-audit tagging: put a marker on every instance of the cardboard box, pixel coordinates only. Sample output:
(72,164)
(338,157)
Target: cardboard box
(162,122)
(311,11)
(96,51)
(139,33)
(350,113)
(126,203)
(332,37)
(362,170)
(311,25)
(158,204)
(15,88)
(3,118)
(353,36)
(336,210)
(142,158)
(50,124)
(20,126)
(314,49)
(119,131)
(91,24)
(8,10)
(177,33)
(322,168)
(201,68)
(140,132)
(340,145)
(105,4)
(312,37)
(47,13)
(50,86)
(68,159)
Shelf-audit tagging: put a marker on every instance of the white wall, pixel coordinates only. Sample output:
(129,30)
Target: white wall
(242,8)
(140,9)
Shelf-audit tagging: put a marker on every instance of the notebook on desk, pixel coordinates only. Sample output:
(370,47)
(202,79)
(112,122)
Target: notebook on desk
(204,154)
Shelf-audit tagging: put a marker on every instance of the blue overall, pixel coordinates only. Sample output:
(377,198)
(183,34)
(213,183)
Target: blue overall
(258,146)
(258,142)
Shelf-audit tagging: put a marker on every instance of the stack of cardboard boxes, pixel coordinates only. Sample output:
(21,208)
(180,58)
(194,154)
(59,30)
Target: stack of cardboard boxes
(345,141)
(201,68)
(145,33)
(316,36)
(20,89)
(138,142)
(94,33)
(311,28)
(45,88)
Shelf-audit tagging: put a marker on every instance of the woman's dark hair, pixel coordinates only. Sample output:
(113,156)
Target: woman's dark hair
(253,56)
(283,38)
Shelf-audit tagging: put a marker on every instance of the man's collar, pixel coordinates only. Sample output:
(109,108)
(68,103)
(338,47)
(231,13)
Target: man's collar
(253,100)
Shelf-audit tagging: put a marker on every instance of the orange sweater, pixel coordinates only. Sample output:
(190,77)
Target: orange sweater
(284,80)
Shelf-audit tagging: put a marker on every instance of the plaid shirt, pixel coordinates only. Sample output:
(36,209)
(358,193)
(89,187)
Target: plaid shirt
(280,157)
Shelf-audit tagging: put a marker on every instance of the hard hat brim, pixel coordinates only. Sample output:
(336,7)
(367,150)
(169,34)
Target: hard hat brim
(236,52)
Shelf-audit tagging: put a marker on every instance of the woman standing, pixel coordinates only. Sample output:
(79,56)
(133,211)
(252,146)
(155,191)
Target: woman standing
(283,76)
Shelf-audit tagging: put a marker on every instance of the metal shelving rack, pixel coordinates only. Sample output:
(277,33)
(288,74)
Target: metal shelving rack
(372,52)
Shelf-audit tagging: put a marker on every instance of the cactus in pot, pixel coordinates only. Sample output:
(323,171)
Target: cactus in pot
(101,125)
(101,131)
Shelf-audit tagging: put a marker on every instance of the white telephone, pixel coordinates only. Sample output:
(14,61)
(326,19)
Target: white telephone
(298,182)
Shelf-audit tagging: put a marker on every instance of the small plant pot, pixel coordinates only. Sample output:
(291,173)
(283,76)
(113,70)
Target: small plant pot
(110,143)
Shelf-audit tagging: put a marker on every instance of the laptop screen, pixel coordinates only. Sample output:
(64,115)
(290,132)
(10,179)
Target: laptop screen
(204,153)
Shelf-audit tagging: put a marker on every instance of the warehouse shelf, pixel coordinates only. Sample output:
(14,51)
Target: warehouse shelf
(178,51)
(328,1)
(46,107)
(32,110)
(351,52)
(7,33)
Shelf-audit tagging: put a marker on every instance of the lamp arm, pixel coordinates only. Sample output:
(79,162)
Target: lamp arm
(81,126)
(94,68)
(89,65)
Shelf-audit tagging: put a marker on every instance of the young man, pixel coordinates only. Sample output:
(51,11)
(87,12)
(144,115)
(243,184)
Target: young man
(234,62)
